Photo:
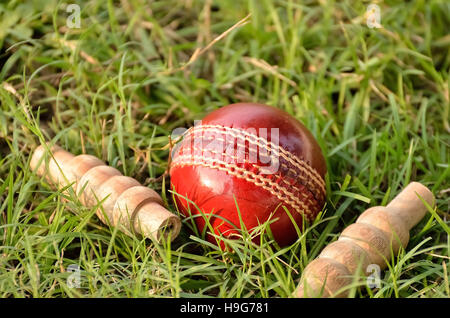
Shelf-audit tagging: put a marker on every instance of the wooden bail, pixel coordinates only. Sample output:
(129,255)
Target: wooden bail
(370,240)
(125,203)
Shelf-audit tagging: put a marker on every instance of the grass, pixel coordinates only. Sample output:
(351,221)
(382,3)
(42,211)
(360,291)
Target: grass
(377,100)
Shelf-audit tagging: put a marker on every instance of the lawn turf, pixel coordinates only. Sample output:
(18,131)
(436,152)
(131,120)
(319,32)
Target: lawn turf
(376,99)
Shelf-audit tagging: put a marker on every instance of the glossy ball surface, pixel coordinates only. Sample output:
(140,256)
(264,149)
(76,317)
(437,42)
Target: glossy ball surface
(253,157)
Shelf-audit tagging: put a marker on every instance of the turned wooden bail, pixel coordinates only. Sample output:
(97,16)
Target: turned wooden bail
(120,200)
(407,205)
(377,233)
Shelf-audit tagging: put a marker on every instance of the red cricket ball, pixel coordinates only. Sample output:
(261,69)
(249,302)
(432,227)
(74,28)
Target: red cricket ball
(253,157)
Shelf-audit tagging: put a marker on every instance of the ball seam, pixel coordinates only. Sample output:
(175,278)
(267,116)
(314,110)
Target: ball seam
(291,158)
(249,176)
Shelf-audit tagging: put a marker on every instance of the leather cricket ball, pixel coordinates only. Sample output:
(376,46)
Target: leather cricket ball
(249,162)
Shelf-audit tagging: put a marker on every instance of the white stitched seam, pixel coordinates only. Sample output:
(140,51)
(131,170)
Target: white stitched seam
(245,161)
(303,166)
(235,132)
(215,164)
(296,174)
